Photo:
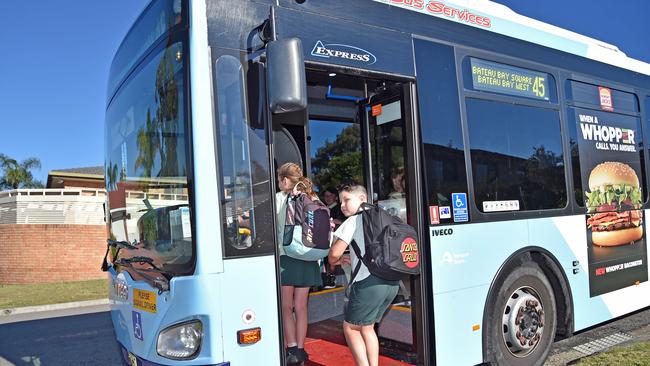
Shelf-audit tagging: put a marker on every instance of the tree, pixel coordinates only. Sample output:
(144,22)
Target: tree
(18,175)
(158,135)
(111,176)
(339,160)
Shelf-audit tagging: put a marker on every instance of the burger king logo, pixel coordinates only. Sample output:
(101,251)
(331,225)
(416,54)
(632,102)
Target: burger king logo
(605,99)
(409,252)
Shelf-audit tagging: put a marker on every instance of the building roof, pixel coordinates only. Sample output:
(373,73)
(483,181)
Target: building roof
(92,170)
(93,173)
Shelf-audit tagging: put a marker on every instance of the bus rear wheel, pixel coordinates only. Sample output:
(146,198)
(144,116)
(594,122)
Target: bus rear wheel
(521,318)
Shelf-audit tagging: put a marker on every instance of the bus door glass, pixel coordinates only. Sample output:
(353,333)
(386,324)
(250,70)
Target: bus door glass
(386,169)
(386,152)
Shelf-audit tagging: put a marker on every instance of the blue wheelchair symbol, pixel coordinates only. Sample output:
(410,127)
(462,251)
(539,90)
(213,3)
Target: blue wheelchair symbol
(137,325)
(459,200)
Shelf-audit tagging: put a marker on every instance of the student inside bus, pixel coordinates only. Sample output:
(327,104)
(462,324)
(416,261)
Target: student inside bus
(296,276)
(331,199)
(369,295)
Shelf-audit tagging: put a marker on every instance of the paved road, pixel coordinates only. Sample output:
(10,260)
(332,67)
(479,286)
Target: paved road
(88,340)
(71,340)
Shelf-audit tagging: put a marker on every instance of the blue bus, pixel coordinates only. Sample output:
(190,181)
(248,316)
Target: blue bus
(515,148)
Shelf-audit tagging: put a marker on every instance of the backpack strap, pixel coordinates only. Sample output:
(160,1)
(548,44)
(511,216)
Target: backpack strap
(295,191)
(357,251)
(290,216)
(364,206)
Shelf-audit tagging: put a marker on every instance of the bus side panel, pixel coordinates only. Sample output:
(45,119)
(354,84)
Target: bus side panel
(455,313)
(465,259)
(588,311)
(249,285)
(566,238)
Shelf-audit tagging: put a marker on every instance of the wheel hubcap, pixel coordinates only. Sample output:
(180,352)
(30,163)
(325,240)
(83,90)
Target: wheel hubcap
(523,321)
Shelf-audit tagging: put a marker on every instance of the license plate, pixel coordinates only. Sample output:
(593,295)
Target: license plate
(133,359)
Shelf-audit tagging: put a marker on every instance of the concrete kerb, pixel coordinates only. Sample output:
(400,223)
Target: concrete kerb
(51,307)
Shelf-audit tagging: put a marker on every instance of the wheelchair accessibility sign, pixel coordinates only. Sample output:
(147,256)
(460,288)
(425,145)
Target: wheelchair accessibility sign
(459,204)
(137,325)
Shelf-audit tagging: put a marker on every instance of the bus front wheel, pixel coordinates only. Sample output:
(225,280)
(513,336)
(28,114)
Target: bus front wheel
(521,318)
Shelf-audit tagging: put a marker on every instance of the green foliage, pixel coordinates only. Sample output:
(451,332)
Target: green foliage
(111,176)
(18,175)
(339,160)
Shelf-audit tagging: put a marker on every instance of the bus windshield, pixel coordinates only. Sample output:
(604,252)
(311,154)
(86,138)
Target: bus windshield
(147,162)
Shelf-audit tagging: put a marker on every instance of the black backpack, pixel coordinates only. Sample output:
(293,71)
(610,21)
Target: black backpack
(391,245)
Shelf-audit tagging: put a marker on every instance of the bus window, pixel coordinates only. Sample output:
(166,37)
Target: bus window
(588,95)
(147,165)
(517,158)
(587,105)
(647,128)
(243,162)
(442,138)
(159,18)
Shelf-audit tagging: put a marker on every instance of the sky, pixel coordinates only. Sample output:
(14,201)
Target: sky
(55,57)
(54,63)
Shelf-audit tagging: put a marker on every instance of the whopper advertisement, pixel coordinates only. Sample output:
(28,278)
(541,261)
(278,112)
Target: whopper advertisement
(611,173)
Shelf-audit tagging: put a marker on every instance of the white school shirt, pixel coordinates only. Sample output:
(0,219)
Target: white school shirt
(281,214)
(352,229)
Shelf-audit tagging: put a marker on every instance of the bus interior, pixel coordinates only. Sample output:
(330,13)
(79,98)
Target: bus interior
(356,128)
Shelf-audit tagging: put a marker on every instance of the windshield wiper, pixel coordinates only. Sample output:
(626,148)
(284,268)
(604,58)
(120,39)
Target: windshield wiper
(144,260)
(115,244)
(160,282)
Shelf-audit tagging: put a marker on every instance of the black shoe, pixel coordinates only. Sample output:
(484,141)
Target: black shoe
(302,355)
(292,356)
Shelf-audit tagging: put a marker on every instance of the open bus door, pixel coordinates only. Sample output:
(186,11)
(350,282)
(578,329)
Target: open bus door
(383,116)
(392,176)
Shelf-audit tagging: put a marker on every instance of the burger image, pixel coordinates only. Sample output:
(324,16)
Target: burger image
(614,203)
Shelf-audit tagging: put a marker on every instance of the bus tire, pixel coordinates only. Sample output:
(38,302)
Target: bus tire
(521,318)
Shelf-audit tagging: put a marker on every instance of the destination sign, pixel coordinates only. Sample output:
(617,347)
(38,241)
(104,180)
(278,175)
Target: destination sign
(506,79)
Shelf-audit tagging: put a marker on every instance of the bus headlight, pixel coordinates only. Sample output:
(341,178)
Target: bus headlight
(180,342)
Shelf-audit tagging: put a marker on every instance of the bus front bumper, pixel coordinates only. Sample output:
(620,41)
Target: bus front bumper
(129,359)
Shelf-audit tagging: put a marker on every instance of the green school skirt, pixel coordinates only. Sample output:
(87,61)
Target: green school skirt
(297,273)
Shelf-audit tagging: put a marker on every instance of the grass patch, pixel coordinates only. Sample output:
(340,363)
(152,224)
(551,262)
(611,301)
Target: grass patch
(13,296)
(634,355)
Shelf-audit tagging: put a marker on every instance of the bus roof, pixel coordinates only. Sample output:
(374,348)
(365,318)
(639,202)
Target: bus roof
(505,21)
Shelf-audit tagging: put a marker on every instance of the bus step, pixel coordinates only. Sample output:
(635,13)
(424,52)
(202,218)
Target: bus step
(326,347)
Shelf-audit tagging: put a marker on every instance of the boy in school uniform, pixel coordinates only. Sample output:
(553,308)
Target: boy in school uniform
(369,295)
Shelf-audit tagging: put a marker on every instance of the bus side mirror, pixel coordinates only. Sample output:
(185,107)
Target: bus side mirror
(285,76)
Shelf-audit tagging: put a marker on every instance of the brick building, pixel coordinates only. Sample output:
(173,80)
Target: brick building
(55,234)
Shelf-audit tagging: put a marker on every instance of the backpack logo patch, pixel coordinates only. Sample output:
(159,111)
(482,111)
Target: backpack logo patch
(310,226)
(409,252)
